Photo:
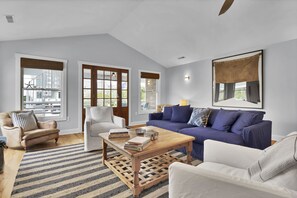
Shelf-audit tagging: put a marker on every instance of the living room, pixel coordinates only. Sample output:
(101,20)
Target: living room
(170,46)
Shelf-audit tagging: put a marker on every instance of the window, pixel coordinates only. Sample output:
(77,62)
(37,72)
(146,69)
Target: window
(43,88)
(148,92)
(240,91)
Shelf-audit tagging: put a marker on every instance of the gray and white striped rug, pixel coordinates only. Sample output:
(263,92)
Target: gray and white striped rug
(70,172)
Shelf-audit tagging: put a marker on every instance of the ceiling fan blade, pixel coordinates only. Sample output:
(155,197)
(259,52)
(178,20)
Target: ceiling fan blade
(227,4)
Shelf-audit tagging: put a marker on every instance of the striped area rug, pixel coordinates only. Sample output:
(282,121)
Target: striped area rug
(70,172)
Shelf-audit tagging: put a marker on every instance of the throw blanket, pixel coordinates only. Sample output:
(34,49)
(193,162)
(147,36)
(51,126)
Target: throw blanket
(276,159)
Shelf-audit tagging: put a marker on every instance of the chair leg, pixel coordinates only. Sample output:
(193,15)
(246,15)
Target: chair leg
(56,140)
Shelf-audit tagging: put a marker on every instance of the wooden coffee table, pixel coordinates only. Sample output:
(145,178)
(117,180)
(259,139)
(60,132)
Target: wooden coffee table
(141,170)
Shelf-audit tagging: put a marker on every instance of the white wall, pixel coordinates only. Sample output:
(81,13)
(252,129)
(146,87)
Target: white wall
(95,48)
(280,85)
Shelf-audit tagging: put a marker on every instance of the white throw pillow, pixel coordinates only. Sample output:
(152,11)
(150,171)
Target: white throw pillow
(101,114)
(287,179)
(25,120)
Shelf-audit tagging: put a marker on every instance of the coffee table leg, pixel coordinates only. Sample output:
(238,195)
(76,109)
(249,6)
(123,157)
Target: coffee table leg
(136,167)
(189,151)
(104,152)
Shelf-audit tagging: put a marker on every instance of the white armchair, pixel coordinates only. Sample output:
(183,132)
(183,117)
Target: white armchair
(223,173)
(99,120)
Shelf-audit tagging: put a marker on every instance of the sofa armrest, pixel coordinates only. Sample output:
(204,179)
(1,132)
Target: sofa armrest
(186,181)
(14,136)
(155,116)
(121,122)
(51,124)
(230,154)
(258,135)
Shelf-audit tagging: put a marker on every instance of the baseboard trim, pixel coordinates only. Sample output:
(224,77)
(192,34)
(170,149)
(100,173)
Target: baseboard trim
(70,131)
(137,123)
(277,137)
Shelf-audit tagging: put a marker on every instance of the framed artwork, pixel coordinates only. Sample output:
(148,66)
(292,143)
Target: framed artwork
(237,81)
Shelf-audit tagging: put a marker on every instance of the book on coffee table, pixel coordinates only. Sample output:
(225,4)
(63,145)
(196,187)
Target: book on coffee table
(135,147)
(137,143)
(118,133)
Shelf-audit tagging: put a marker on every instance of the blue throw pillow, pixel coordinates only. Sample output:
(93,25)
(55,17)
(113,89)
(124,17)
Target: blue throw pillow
(246,118)
(224,120)
(181,113)
(212,116)
(167,113)
(199,117)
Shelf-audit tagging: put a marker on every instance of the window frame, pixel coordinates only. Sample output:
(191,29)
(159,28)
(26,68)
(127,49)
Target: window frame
(19,81)
(158,92)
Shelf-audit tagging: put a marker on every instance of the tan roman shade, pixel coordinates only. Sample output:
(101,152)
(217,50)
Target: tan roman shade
(41,64)
(150,75)
(239,70)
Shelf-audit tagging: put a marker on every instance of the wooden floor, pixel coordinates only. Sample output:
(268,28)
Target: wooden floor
(13,158)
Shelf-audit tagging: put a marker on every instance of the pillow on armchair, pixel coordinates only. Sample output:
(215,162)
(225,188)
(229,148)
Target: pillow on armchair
(101,114)
(26,120)
(277,165)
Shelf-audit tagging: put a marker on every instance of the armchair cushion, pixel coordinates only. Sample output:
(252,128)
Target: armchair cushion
(101,114)
(102,127)
(25,120)
(225,169)
(38,133)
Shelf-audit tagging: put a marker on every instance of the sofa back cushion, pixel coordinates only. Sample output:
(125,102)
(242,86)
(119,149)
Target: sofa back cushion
(246,118)
(25,120)
(212,116)
(181,113)
(167,112)
(224,120)
(199,117)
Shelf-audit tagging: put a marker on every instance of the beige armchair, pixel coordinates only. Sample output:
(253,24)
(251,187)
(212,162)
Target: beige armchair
(18,138)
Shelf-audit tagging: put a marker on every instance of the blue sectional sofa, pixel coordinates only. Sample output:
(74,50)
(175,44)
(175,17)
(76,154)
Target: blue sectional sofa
(256,134)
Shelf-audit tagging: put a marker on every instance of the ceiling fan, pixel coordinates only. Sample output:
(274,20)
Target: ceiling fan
(227,4)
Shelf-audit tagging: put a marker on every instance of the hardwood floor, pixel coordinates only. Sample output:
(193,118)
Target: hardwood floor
(14,157)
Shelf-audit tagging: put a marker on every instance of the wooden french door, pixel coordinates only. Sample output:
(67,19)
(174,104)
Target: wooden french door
(103,86)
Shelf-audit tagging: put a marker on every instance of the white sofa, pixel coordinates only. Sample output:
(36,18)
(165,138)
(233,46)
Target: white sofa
(222,174)
(99,120)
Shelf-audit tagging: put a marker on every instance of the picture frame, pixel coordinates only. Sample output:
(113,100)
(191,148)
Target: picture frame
(237,80)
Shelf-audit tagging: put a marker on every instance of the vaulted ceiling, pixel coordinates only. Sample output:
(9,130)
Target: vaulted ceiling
(163,30)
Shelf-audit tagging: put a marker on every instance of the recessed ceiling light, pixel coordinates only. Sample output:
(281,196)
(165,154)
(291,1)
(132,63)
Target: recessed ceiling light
(9,18)
(182,57)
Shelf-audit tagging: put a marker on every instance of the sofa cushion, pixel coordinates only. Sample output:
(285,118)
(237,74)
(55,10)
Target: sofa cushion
(224,120)
(181,113)
(25,120)
(212,116)
(203,133)
(102,127)
(173,126)
(199,117)
(167,112)
(39,133)
(244,120)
